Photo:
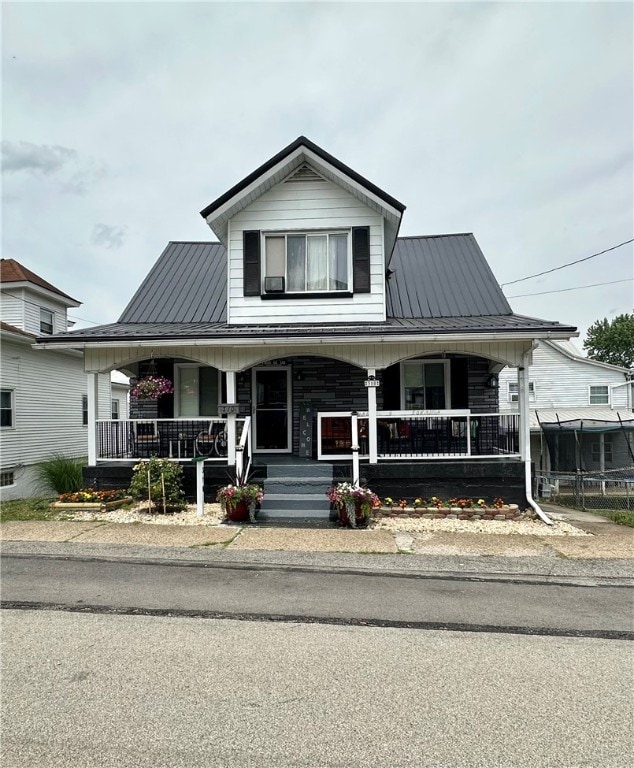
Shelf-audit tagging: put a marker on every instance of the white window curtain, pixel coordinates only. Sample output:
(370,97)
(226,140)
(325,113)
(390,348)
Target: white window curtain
(338,263)
(317,263)
(296,262)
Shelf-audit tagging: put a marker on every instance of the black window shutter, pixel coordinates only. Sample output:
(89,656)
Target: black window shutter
(361,259)
(251,256)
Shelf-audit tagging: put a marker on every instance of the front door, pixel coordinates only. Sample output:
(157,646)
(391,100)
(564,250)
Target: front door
(272,406)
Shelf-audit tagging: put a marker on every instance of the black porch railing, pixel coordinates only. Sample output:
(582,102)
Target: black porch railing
(422,436)
(165,438)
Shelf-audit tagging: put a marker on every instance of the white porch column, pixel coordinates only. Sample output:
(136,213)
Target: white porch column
(522,402)
(231,419)
(372,432)
(92,391)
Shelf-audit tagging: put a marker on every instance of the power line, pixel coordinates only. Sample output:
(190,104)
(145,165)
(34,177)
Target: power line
(577,288)
(569,264)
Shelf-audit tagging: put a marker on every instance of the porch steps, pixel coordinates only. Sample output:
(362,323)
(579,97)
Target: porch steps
(297,491)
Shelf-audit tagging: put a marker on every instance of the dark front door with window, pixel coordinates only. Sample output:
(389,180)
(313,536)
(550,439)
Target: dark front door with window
(271,399)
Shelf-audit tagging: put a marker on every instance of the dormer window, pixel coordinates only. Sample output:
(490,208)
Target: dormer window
(312,265)
(308,263)
(46,321)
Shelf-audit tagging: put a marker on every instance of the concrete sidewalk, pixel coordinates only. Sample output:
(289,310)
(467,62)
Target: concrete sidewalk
(608,541)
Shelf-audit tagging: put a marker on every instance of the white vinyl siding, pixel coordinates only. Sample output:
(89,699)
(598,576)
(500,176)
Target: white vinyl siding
(48,387)
(303,207)
(562,382)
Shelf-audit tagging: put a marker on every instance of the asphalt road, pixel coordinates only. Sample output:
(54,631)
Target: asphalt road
(99,691)
(433,600)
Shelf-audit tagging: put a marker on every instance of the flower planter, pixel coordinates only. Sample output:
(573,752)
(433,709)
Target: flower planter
(238,512)
(360,520)
(91,506)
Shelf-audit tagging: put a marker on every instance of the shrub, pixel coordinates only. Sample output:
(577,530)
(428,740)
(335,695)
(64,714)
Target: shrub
(62,474)
(159,481)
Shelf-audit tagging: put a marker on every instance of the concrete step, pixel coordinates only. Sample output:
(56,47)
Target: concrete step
(295,501)
(313,471)
(291,514)
(296,485)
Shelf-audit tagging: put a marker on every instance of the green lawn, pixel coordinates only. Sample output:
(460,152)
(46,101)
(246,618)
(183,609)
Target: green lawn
(27,509)
(620,516)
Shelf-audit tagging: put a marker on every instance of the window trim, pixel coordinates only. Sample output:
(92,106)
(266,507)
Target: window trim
(346,292)
(599,386)
(84,410)
(10,409)
(425,361)
(115,402)
(514,397)
(45,324)
(178,367)
(10,474)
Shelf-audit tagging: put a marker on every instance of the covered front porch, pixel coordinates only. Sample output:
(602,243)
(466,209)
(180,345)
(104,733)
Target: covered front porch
(415,404)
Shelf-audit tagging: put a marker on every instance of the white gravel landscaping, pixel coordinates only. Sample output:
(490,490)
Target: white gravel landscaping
(521,527)
(213,516)
(140,514)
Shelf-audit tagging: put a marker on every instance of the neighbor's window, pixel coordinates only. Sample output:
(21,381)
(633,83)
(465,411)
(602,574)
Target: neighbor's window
(600,395)
(84,410)
(514,394)
(7,478)
(115,409)
(308,263)
(425,385)
(46,321)
(6,408)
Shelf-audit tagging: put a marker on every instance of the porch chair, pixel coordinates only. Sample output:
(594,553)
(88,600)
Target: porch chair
(213,442)
(145,439)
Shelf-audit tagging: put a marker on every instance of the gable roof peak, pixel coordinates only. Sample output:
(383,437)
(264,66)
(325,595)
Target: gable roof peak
(11,271)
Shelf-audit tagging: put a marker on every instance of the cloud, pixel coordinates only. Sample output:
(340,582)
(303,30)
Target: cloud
(75,175)
(108,236)
(43,159)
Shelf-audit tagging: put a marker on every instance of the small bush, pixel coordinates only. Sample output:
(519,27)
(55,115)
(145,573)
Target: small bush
(156,479)
(61,474)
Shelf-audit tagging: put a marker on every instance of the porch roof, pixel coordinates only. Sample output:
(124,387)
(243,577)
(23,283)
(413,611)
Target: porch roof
(416,328)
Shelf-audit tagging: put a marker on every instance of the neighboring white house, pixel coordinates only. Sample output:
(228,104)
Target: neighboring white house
(580,409)
(44,403)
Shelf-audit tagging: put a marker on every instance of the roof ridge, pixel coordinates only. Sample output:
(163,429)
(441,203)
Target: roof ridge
(425,237)
(195,242)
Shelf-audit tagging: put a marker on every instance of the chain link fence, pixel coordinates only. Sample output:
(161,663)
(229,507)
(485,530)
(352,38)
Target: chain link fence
(605,491)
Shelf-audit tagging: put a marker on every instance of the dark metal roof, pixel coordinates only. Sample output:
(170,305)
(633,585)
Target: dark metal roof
(440,285)
(393,327)
(301,141)
(442,276)
(188,284)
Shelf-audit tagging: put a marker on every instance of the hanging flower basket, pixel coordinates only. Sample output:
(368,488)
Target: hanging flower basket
(151,388)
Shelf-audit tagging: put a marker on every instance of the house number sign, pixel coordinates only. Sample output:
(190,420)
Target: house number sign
(372,383)
(226,408)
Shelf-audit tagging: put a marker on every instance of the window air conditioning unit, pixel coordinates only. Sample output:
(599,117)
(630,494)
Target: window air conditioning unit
(274,284)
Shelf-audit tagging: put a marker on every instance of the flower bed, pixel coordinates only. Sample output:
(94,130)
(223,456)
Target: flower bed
(453,509)
(89,498)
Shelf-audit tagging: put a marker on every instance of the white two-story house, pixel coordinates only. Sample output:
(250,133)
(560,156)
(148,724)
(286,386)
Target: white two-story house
(44,400)
(310,332)
(580,410)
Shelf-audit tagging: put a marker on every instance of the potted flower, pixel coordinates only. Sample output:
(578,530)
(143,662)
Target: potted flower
(151,388)
(354,503)
(239,502)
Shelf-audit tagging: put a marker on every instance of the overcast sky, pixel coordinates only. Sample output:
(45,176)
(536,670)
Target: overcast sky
(121,121)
